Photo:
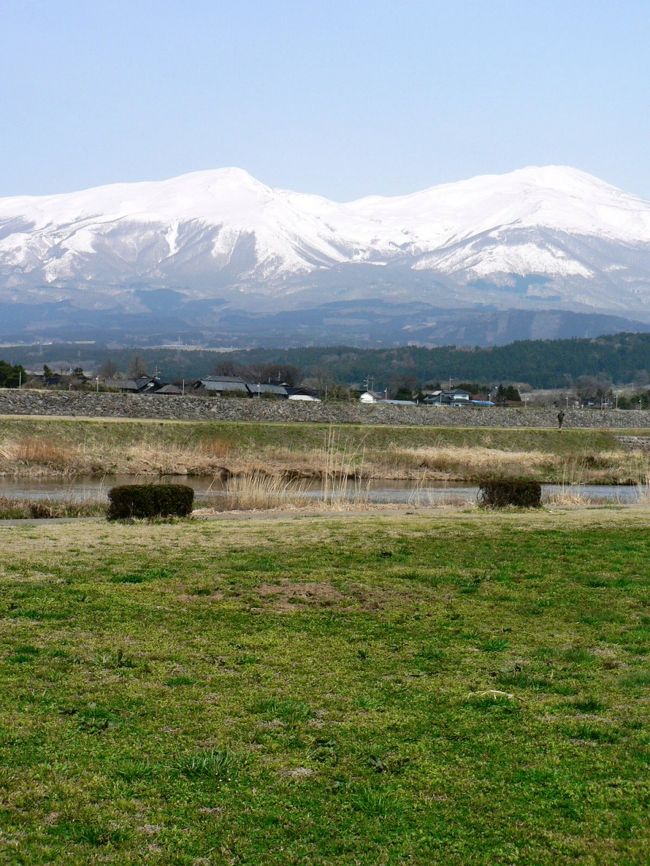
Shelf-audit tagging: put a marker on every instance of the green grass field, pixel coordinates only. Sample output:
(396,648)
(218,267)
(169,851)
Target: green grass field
(252,436)
(456,689)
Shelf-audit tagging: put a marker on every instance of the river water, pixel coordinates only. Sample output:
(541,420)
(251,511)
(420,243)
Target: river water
(379,491)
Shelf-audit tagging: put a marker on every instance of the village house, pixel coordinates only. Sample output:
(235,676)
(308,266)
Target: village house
(371,397)
(217,386)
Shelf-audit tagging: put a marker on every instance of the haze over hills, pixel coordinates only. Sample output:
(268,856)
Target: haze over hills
(218,256)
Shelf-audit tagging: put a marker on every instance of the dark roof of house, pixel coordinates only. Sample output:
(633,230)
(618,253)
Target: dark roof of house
(215,378)
(278,390)
(303,392)
(122,384)
(222,383)
(169,389)
(142,383)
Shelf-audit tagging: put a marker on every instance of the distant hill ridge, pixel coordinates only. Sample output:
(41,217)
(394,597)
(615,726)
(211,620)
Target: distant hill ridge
(541,363)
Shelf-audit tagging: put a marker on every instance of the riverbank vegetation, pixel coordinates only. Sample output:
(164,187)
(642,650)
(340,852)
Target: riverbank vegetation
(47,509)
(69,448)
(463,690)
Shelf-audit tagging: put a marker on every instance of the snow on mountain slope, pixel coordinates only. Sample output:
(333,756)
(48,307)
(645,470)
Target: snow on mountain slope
(555,197)
(580,241)
(145,226)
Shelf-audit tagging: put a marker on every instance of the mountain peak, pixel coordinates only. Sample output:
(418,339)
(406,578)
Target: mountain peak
(558,177)
(541,234)
(227,174)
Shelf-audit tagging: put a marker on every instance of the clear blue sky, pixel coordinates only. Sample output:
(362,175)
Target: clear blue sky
(339,98)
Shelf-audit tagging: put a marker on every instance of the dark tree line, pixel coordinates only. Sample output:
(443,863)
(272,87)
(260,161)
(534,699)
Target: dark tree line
(11,376)
(263,373)
(541,363)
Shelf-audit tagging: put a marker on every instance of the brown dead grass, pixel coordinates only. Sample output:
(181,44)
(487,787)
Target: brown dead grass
(216,448)
(257,491)
(287,596)
(336,460)
(466,461)
(39,452)
(567,498)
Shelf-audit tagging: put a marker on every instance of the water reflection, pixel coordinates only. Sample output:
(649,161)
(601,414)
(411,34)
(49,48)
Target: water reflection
(379,491)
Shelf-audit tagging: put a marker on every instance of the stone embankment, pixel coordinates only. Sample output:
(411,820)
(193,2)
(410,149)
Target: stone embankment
(191,408)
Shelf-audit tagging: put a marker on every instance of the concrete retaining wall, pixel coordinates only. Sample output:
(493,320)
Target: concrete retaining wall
(191,408)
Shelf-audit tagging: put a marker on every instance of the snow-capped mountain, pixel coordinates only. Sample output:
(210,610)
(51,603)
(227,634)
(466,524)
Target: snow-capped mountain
(538,238)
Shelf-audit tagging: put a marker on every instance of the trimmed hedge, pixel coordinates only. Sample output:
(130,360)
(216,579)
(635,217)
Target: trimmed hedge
(501,493)
(149,500)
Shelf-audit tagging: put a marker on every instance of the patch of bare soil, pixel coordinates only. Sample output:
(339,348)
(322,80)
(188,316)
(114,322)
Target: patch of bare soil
(288,596)
(201,596)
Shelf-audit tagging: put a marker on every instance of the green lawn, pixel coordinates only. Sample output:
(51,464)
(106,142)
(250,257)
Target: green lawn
(252,436)
(456,689)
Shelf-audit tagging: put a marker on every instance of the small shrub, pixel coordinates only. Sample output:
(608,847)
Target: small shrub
(150,500)
(501,493)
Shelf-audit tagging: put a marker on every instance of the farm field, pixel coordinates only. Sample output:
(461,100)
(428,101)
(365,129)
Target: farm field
(455,688)
(56,447)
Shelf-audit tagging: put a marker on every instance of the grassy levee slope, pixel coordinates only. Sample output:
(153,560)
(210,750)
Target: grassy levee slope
(69,447)
(459,689)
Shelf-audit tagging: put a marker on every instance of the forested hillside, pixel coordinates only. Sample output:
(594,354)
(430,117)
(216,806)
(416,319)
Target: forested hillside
(540,363)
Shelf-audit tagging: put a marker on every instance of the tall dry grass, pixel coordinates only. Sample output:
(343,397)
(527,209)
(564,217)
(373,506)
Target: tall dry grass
(38,455)
(342,464)
(345,483)
(643,490)
(215,448)
(567,497)
(258,492)
(465,461)
(419,496)
(40,509)
(340,468)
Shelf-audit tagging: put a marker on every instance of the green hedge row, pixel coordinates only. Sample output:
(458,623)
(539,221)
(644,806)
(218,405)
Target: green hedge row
(149,500)
(510,491)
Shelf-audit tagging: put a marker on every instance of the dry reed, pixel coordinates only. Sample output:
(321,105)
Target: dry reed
(39,452)
(257,492)
(566,497)
(215,448)
(343,487)
(643,490)
(336,462)
(466,461)
(20,509)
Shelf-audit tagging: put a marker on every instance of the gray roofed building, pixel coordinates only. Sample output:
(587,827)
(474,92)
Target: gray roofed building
(271,390)
(128,385)
(221,385)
